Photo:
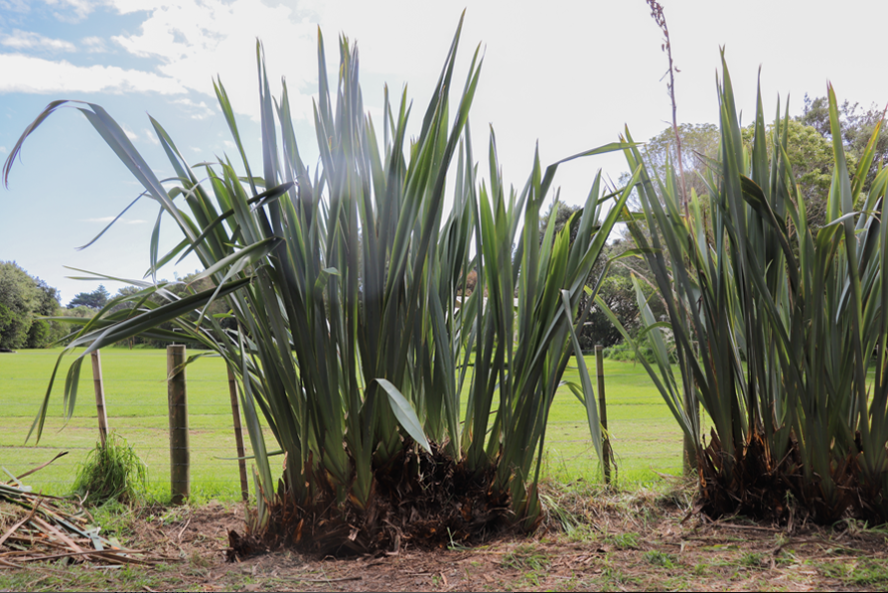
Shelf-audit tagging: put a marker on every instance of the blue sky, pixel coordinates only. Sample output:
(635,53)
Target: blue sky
(569,74)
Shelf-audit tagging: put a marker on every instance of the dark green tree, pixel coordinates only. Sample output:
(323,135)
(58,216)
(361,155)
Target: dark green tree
(811,155)
(857,124)
(43,332)
(183,287)
(20,299)
(94,300)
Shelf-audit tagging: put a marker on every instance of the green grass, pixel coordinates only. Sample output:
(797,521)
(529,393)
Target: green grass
(136,402)
(658,558)
(526,557)
(867,572)
(645,438)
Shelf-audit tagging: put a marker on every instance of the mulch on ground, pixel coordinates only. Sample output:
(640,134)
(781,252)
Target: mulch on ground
(602,541)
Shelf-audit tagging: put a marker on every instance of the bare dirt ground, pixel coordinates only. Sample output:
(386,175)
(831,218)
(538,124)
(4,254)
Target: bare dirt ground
(595,541)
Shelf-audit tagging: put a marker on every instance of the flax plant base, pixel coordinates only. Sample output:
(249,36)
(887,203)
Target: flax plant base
(772,489)
(418,500)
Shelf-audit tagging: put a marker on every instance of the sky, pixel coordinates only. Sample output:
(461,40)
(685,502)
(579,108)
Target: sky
(568,75)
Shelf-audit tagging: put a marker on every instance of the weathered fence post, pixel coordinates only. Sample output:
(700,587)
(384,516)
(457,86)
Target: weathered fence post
(602,411)
(100,397)
(180,477)
(238,435)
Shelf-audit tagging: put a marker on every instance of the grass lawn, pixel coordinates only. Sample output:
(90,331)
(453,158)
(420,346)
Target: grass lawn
(645,438)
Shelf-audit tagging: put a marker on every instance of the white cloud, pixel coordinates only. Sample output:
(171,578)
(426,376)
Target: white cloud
(199,110)
(129,133)
(195,40)
(13,13)
(150,136)
(129,6)
(27,74)
(94,45)
(15,5)
(3,149)
(20,40)
(79,8)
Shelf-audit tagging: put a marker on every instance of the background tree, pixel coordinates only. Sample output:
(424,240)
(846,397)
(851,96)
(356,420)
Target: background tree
(616,288)
(811,156)
(44,332)
(183,287)
(20,298)
(699,143)
(809,148)
(808,145)
(857,126)
(94,300)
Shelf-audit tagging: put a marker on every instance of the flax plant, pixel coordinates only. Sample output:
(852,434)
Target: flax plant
(776,326)
(355,342)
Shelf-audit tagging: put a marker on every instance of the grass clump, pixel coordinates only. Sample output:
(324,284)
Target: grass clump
(526,557)
(870,572)
(752,560)
(113,472)
(657,558)
(622,541)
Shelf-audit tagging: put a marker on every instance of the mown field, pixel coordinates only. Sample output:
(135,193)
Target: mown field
(645,438)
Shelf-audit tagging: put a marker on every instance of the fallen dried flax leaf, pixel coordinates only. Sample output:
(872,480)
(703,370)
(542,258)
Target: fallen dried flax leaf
(39,467)
(339,580)
(20,523)
(749,527)
(103,554)
(184,527)
(54,531)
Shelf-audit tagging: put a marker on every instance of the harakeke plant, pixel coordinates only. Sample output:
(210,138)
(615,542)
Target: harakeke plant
(402,408)
(780,330)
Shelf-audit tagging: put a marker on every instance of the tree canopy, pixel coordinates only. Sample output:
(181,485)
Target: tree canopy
(94,300)
(22,300)
(857,125)
(699,142)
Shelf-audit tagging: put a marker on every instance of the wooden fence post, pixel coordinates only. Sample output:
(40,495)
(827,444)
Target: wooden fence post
(238,435)
(100,397)
(180,475)
(602,411)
